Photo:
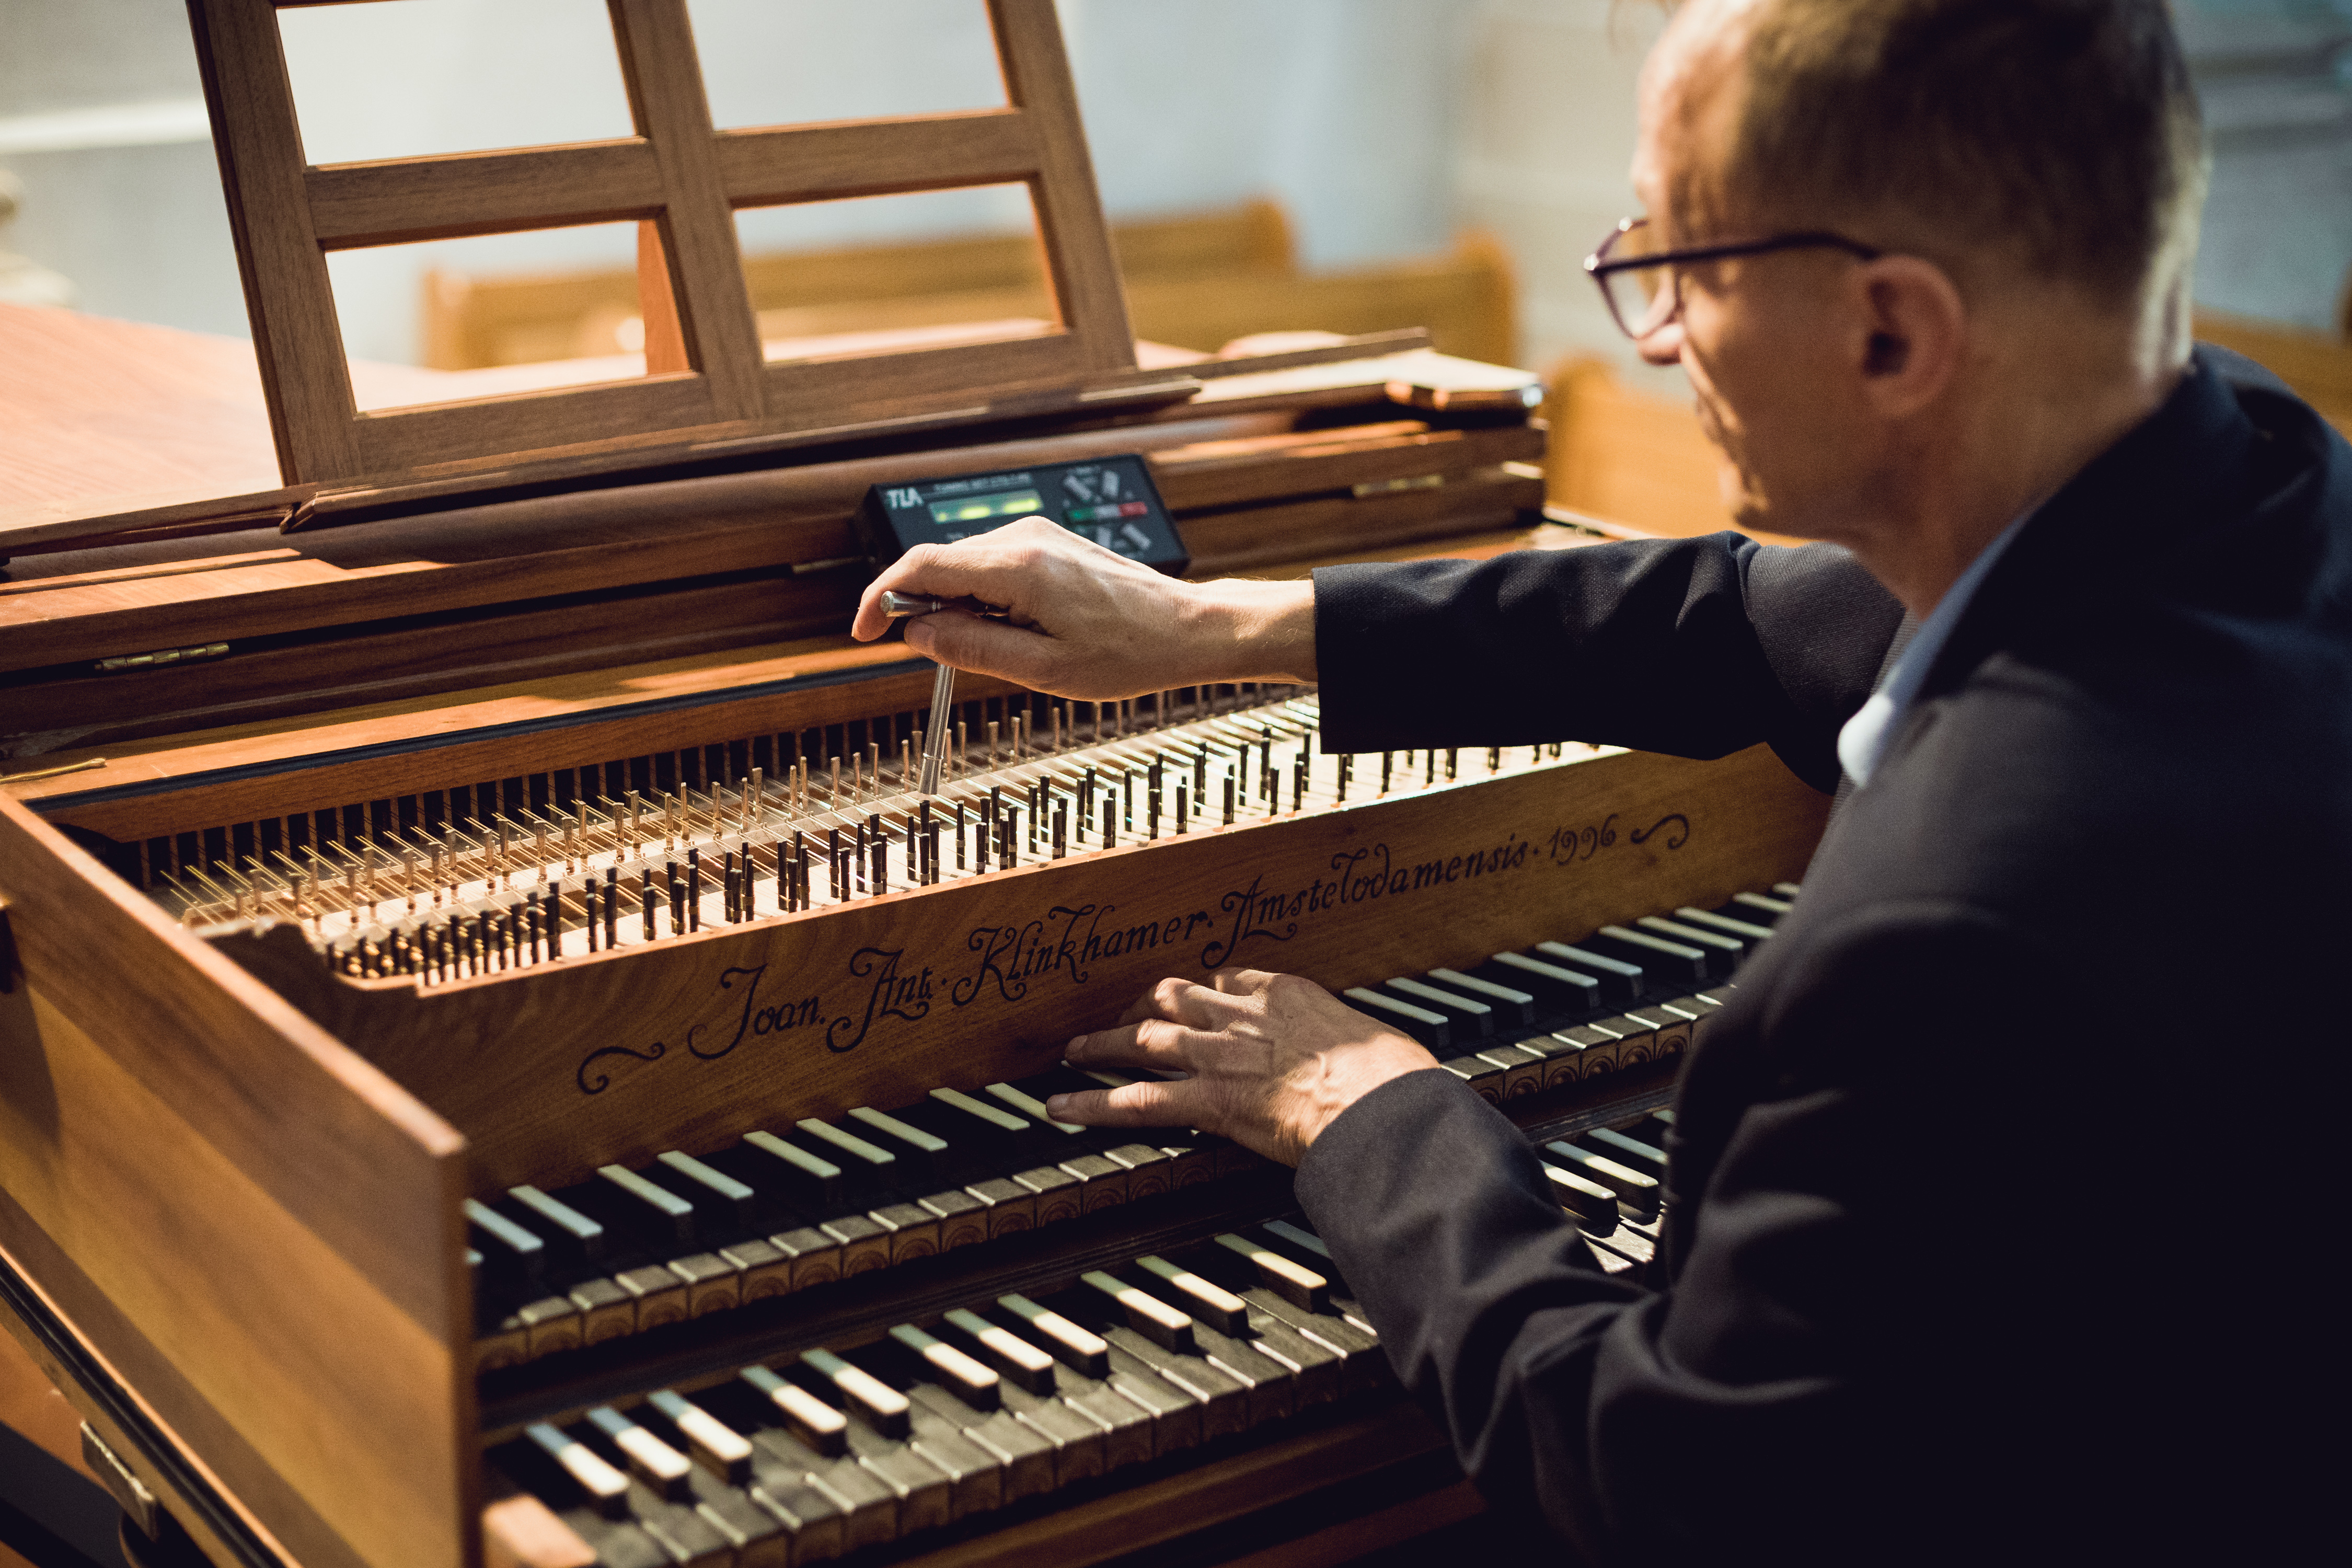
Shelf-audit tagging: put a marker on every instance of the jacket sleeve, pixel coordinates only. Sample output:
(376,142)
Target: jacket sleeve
(1692,647)
(1749,1399)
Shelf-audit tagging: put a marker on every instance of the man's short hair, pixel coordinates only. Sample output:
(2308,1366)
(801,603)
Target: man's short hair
(2063,134)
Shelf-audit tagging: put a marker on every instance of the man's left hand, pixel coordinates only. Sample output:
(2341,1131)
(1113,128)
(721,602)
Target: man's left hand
(1270,1060)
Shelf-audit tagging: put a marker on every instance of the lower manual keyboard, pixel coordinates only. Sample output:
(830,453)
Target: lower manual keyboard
(806,1457)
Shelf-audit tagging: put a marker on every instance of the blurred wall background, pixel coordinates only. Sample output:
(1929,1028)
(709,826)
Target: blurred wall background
(1381,125)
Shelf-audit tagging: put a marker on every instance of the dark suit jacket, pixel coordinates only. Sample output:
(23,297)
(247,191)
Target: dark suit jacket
(2001,1188)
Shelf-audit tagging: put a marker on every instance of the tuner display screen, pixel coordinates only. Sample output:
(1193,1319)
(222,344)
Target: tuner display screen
(1110,500)
(981,509)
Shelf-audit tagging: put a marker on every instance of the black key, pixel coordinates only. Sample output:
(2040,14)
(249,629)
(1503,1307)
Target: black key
(730,1205)
(1016,1361)
(513,1258)
(924,1154)
(1627,1149)
(1071,1149)
(1674,963)
(1621,977)
(869,1171)
(1557,989)
(1038,1088)
(658,1218)
(1594,1206)
(710,1442)
(851,1388)
(601,1485)
(1724,951)
(1204,1299)
(662,1469)
(1432,1028)
(1071,1343)
(573,1237)
(819,1424)
(1745,927)
(1471,1019)
(810,1183)
(1114,1300)
(1299,1283)
(1002,1142)
(961,1373)
(1514,1005)
(1304,1247)
(952,1146)
(1300,1242)
(1634,1190)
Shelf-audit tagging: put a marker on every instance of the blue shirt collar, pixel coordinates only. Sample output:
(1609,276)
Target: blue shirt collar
(1864,741)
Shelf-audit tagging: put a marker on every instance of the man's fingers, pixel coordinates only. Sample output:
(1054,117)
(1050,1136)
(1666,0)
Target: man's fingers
(975,643)
(1150,1103)
(995,570)
(1155,1044)
(1195,1006)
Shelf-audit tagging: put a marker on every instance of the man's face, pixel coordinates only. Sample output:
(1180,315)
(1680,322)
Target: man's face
(1763,339)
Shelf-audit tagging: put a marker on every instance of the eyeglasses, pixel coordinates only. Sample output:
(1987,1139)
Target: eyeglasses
(1643,289)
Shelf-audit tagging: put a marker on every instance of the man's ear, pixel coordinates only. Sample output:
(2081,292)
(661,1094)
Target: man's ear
(1915,323)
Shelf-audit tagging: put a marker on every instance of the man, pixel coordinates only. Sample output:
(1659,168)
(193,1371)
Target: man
(1996,1195)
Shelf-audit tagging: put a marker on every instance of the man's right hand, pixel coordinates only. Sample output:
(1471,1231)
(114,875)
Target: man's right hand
(1088,623)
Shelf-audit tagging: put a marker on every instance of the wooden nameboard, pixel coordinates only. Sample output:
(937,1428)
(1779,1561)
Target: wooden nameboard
(681,180)
(621,1055)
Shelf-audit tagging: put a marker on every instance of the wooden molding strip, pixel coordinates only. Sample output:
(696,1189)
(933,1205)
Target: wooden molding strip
(396,200)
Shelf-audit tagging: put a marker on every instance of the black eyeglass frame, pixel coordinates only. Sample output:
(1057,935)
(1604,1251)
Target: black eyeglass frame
(1601,267)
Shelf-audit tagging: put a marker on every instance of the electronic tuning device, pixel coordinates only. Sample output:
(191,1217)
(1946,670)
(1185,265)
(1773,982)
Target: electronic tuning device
(1110,500)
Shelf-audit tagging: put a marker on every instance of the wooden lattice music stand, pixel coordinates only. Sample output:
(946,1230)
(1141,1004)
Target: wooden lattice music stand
(682,180)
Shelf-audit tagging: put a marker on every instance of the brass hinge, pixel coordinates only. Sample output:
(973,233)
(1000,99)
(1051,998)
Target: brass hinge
(161,658)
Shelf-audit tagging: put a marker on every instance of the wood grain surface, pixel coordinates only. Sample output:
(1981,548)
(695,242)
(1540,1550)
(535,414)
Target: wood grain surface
(186,1142)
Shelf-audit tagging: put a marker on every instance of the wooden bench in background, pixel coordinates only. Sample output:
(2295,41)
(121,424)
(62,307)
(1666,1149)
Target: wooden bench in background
(1197,281)
(1633,458)
(2316,364)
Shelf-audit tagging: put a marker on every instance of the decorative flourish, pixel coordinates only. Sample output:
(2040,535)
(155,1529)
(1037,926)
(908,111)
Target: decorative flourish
(603,1080)
(1677,842)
